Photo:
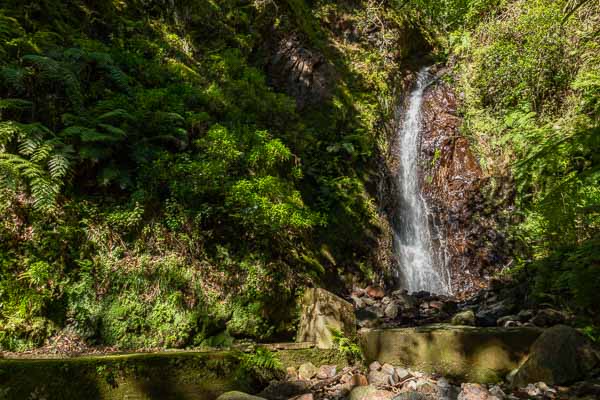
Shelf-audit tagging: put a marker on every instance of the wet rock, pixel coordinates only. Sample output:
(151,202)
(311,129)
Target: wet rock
(235,395)
(422,294)
(375,292)
(379,313)
(561,355)
(320,311)
(506,319)
(464,318)
(406,302)
(326,371)
(391,311)
(452,181)
(525,315)
(548,317)
(488,315)
(307,371)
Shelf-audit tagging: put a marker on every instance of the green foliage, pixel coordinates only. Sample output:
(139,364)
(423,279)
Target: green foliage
(348,346)
(155,189)
(530,79)
(261,364)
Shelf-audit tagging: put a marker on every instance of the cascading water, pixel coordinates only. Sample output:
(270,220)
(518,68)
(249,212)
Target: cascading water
(419,267)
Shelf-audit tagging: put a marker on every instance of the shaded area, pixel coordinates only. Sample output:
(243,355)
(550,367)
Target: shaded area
(458,352)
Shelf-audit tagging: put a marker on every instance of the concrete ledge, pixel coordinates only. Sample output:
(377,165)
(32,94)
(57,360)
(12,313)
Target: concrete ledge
(189,375)
(463,353)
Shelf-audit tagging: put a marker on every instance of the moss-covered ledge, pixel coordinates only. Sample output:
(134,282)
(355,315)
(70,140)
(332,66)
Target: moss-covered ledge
(464,353)
(165,375)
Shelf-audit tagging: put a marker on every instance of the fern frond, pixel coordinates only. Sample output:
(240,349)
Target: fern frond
(116,115)
(13,77)
(53,71)
(59,165)
(117,133)
(15,104)
(29,145)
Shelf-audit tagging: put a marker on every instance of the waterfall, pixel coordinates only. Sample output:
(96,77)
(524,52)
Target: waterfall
(420,268)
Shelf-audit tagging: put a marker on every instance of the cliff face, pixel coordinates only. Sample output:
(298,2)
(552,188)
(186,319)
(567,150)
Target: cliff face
(463,212)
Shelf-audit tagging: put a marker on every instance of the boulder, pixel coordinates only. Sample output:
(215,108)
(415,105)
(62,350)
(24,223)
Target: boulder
(359,380)
(322,311)
(548,317)
(369,393)
(561,355)
(489,314)
(474,391)
(326,371)
(380,378)
(307,371)
(235,395)
(402,373)
(464,318)
(375,366)
(406,302)
(307,396)
(375,292)
(391,310)
(283,390)
(411,395)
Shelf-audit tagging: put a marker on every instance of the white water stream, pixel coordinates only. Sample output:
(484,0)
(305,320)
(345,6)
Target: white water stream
(419,267)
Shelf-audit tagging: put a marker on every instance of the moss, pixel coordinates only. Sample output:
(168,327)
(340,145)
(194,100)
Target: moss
(152,376)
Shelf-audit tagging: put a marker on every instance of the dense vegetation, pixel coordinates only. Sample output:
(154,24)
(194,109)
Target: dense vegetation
(530,77)
(157,191)
(158,188)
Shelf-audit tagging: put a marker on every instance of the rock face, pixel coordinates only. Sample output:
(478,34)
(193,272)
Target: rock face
(561,355)
(322,311)
(467,353)
(301,72)
(452,183)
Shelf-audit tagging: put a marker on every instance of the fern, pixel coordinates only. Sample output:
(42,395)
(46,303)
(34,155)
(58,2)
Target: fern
(53,72)
(15,104)
(44,190)
(13,77)
(38,149)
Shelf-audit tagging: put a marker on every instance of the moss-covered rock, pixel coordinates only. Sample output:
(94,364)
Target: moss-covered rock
(323,311)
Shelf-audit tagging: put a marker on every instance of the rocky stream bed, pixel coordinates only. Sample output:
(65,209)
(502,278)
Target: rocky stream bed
(496,345)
